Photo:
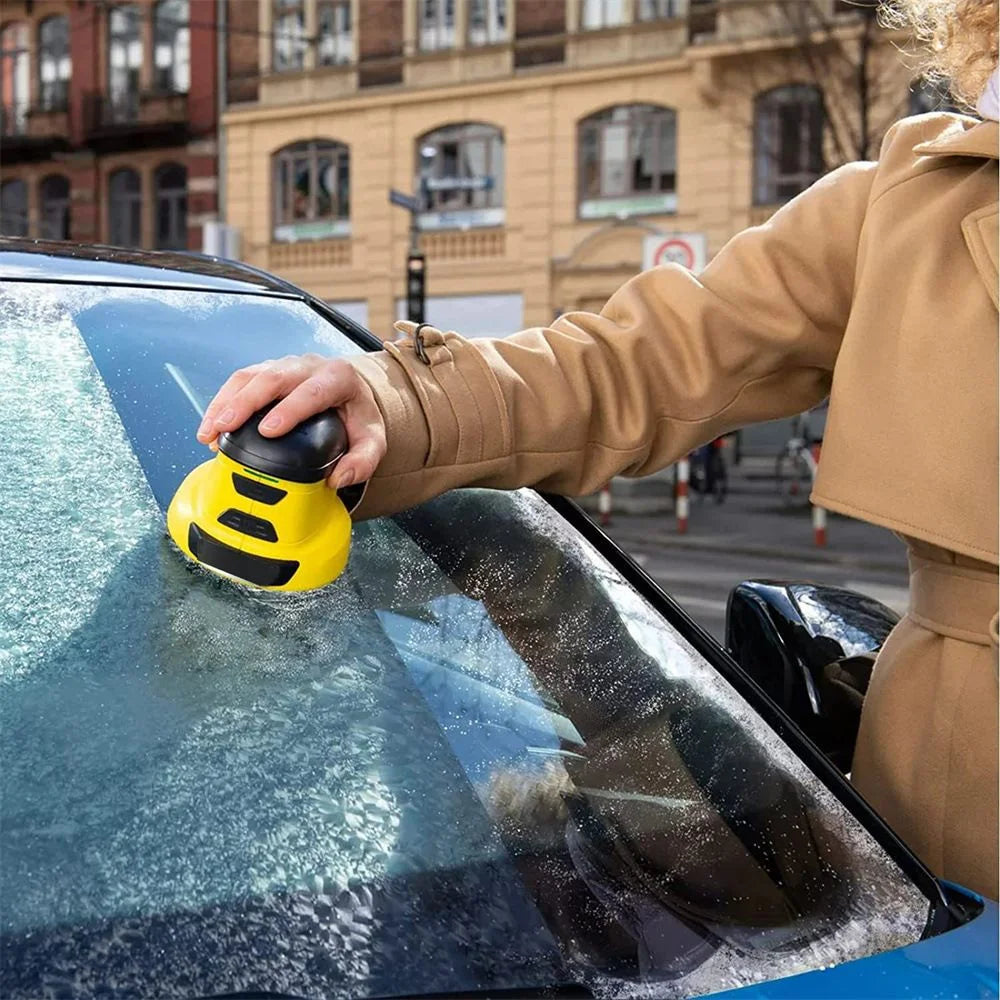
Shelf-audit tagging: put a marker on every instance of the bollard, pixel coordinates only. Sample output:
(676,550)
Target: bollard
(819,514)
(819,526)
(683,478)
(604,504)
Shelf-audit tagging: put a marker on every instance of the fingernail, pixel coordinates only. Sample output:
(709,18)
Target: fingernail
(342,479)
(204,426)
(225,417)
(271,423)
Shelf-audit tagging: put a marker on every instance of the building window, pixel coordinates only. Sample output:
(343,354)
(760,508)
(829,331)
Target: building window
(628,162)
(54,196)
(124,63)
(312,191)
(289,36)
(125,208)
(487,22)
(461,176)
(931,95)
(336,46)
(14,208)
(436,29)
(656,10)
(14,79)
(171,47)
(788,142)
(170,186)
(53,63)
(601,14)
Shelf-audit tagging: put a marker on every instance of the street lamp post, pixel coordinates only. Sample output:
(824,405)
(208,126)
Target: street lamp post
(416,264)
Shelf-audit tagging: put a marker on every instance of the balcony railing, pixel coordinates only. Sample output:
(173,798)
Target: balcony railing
(132,112)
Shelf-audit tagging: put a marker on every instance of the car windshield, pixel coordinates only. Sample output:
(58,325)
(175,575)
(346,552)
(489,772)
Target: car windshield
(478,760)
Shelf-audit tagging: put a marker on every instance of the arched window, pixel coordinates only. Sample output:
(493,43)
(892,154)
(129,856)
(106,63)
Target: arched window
(53,63)
(54,197)
(171,47)
(628,161)
(788,142)
(460,170)
(312,185)
(170,182)
(14,79)
(125,208)
(14,208)
(124,63)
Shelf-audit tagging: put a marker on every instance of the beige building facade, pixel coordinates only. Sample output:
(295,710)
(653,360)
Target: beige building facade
(544,155)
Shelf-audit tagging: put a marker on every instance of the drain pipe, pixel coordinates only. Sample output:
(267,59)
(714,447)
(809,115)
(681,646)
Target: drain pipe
(222,73)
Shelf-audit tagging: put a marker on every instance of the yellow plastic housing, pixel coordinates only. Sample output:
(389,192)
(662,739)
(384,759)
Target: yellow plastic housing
(310,521)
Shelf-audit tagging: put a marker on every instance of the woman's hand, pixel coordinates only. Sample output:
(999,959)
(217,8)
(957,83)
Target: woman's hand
(306,385)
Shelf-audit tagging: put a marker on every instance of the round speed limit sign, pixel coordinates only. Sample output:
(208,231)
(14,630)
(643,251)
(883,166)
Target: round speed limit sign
(674,251)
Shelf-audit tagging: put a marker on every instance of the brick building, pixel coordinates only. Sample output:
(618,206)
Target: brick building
(546,139)
(108,125)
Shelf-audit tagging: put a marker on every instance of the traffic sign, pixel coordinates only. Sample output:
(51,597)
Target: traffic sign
(407,201)
(458,183)
(690,250)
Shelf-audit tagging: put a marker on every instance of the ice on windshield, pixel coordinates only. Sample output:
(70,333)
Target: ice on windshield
(478,760)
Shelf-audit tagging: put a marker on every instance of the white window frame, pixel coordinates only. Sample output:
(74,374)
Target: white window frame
(335,40)
(489,22)
(767,150)
(16,67)
(288,46)
(435,25)
(595,15)
(459,198)
(54,66)
(617,130)
(286,227)
(172,46)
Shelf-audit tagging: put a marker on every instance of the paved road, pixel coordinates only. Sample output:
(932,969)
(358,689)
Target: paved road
(752,536)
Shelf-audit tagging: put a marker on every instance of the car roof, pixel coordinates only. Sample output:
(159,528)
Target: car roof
(40,260)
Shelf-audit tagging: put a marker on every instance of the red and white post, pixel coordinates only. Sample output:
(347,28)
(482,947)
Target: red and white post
(819,526)
(681,500)
(604,504)
(818,513)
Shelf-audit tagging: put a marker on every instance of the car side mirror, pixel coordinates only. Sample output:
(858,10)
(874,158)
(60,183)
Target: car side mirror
(811,648)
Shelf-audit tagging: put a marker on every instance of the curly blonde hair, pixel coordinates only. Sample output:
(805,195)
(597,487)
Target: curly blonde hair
(962,37)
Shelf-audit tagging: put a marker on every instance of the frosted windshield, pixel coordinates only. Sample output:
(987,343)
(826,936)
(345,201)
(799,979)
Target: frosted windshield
(479,760)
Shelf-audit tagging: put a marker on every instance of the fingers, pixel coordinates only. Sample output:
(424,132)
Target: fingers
(304,386)
(252,388)
(207,431)
(360,463)
(333,384)
(366,434)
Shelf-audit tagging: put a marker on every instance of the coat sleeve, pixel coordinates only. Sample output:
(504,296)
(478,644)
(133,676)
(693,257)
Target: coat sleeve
(672,361)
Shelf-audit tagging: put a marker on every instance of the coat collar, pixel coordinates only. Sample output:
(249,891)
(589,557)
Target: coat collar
(964,137)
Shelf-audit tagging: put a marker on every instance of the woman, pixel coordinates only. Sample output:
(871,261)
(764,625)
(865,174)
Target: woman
(878,287)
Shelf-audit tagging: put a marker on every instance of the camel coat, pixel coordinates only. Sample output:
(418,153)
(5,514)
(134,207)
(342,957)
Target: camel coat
(877,287)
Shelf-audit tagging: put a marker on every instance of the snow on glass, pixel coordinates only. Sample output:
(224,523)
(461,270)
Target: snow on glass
(477,760)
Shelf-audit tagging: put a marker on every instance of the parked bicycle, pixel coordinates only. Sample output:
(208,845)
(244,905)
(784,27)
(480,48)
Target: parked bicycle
(795,469)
